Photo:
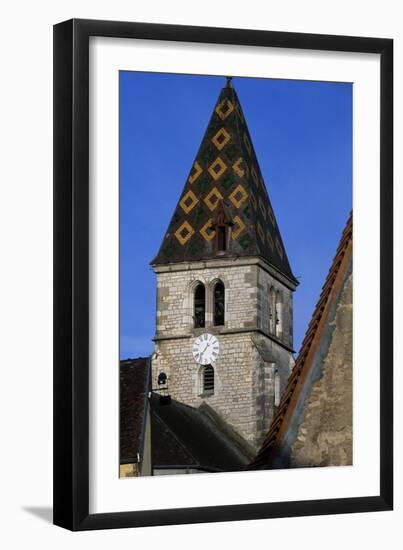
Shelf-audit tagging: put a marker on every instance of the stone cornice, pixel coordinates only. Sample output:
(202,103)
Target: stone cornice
(226,263)
(225,332)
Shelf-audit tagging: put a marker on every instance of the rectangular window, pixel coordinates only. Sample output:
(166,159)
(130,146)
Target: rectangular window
(199,306)
(219,304)
(208,379)
(221,238)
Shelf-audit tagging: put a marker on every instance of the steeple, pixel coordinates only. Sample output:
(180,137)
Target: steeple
(224,209)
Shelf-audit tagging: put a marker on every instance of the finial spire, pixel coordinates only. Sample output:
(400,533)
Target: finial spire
(229,82)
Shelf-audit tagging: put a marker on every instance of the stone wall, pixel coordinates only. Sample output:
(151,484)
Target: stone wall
(322,435)
(265,282)
(175,298)
(249,357)
(271,359)
(128,470)
(233,373)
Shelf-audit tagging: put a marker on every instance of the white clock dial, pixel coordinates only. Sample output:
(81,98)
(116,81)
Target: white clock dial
(205,349)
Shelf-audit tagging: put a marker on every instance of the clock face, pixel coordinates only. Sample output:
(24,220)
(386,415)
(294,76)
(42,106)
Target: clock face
(206,349)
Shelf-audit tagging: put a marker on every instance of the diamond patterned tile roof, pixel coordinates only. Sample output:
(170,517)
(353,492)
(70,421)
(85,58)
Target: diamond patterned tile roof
(225,183)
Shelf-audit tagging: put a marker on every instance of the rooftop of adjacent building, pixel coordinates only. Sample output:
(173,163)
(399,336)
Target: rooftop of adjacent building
(181,436)
(317,328)
(134,386)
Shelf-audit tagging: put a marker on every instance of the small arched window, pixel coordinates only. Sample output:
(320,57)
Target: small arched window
(199,316)
(279,315)
(219,304)
(208,379)
(272,310)
(221,238)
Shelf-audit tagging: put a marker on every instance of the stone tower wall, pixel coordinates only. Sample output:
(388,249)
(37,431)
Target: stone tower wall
(244,393)
(265,282)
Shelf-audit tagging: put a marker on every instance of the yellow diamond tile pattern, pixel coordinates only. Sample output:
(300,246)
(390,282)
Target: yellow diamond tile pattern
(207,231)
(238,167)
(184,232)
(238,227)
(213,198)
(279,248)
(197,170)
(224,109)
(238,196)
(221,139)
(188,201)
(225,172)
(217,168)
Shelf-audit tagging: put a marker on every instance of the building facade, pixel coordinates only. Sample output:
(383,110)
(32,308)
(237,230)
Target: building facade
(313,425)
(224,331)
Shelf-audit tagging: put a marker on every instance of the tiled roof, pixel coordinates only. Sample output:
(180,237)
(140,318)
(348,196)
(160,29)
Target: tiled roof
(273,440)
(134,388)
(225,179)
(188,437)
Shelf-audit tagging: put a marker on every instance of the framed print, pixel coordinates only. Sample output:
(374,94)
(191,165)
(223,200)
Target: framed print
(223,258)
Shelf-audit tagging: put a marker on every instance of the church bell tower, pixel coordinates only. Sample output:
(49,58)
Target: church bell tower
(224,333)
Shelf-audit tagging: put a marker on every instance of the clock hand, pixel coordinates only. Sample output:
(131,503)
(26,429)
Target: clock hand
(203,352)
(205,348)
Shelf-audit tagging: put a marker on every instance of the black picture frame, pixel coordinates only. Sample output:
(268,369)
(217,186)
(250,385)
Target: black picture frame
(71,274)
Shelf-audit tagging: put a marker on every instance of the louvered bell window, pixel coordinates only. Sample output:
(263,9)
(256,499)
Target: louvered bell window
(208,379)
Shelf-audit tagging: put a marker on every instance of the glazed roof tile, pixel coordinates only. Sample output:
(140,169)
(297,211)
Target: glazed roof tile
(225,179)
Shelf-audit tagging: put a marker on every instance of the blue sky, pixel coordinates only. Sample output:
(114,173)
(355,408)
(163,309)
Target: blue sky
(302,134)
